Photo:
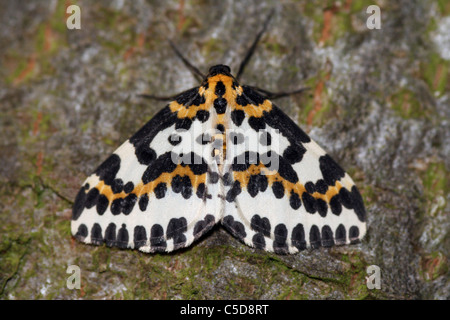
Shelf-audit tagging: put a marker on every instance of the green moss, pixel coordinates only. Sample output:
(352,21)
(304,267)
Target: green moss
(20,63)
(187,23)
(444,7)
(316,108)
(435,71)
(277,49)
(436,184)
(211,46)
(433,266)
(12,252)
(407,105)
(341,18)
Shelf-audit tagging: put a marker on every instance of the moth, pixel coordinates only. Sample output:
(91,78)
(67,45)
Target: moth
(221,152)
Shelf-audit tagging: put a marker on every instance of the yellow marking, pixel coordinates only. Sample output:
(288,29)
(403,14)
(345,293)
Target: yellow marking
(254,111)
(244,176)
(141,188)
(221,118)
(230,95)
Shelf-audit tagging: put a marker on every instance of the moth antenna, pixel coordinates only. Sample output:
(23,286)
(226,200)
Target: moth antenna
(251,50)
(194,70)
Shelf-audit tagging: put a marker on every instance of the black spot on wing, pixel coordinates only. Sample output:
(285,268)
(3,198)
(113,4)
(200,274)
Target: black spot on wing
(321,186)
(353,234)
(79,204)
(314,237)
(298,237)
(221,128)
(294,200)
(294,153)
(237,116)
(242,100)
(286,171)
(346,198)
(341,235)
(128,187)
(91,198)
(82,232)
(102,204)
(322,207)
(143,202)
(278,190)
(116,206)
(117,186)
(203,226)
(144,136)
(243,161)
(258,241)
(108,169)
(310,187)
(187,97)
(160,191)
(279,120)
(261,225)
(157,241)
(358,204)
(309,202)
(198,100)
(331,171)
(96,234)
(327,236)
(175,230)
(182,185)
(233,192)
(196,163)
(335,205)
(122,237)
(201,191)
(202,115)
(213,177)
(145,154)
(279,243)
(220,104)
(257,183)
(140,236)
(174,139)
(186,190)
(203,139)
(128,203)
(220,89)
(252,96)
(257,123)
(110,235)
(183,124)
(236,228)
(163,163)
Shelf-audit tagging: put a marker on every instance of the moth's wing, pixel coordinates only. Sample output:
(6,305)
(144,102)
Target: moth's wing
(284,193)
(145,195)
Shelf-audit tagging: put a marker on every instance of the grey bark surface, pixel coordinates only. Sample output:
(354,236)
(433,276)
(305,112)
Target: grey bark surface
(379,104)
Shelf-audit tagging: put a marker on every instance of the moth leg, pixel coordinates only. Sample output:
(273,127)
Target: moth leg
(159,98)
(276,95)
